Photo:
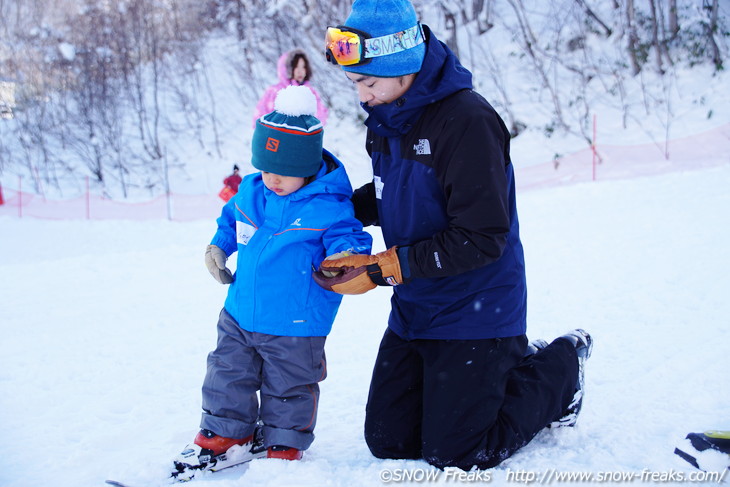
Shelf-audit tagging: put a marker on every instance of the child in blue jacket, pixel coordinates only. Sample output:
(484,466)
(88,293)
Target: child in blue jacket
(271,332)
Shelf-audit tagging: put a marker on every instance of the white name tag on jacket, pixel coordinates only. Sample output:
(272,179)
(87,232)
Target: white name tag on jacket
(244,232)
(378,183)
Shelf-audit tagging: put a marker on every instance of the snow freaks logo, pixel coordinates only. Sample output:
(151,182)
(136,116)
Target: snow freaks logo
(425,475)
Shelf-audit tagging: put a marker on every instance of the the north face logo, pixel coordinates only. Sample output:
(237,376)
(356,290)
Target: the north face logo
(272,144)
(423,147)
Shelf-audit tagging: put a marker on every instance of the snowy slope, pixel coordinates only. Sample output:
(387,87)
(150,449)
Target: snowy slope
(106,326)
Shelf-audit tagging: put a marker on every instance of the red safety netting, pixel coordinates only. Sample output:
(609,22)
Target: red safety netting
(604,162)
(600,162)
(176,207)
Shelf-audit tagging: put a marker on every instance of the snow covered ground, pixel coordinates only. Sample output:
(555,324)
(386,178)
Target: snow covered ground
(106,326)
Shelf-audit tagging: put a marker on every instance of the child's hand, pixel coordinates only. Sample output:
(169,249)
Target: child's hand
(338,255)
(215,261)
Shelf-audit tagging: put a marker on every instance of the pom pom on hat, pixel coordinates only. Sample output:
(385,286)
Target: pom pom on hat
(296,101)
(288,141)
(380,18)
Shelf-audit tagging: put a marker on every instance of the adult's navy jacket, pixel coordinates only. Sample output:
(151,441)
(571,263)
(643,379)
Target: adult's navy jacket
(443,191)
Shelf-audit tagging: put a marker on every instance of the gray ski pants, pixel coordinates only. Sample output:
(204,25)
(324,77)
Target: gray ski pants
(285,370)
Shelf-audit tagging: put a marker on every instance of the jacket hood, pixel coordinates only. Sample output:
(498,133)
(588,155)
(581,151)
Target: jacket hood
(283,67)
(441,75)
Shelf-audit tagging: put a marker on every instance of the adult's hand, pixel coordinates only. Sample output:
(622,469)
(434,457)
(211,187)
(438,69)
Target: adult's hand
(358,274)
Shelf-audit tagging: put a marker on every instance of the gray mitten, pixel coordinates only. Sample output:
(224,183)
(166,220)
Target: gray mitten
(215,261)
(338,255)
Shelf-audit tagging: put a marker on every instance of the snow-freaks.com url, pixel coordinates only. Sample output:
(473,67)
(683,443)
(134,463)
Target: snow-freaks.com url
(546,477)
(553,476)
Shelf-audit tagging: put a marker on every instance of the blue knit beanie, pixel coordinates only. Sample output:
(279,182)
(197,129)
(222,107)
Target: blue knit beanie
(383,17)
(288,141)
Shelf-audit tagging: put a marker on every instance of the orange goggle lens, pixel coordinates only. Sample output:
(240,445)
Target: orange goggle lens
(343,47)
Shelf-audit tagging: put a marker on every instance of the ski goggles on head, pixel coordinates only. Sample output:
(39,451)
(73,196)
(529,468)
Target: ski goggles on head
(351,47)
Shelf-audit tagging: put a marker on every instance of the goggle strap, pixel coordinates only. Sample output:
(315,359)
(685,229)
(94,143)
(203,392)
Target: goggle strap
(393,43)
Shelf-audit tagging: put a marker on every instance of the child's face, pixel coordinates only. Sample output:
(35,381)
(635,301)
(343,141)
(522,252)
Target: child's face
(300,71)
(282,185)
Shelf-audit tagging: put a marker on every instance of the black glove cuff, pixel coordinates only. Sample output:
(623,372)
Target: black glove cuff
(376,275)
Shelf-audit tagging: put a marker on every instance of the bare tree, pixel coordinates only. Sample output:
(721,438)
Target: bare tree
(606,29)
(5,13)
(655,36)
(140,77)
(633,37)
(664,37)
(450,27)
(483,14)
(673,26)
(530,44)
(712,8)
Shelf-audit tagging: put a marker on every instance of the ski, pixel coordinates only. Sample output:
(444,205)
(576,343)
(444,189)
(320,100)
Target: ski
(232,458)
(116,483)
(708,451)
(194,460)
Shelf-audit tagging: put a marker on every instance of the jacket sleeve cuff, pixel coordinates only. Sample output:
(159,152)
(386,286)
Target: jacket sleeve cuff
(224,245)
(405,267)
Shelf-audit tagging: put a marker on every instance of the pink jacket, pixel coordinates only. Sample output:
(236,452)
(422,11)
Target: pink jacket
(266,103)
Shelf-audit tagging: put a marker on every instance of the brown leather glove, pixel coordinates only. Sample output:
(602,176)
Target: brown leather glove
(358,274)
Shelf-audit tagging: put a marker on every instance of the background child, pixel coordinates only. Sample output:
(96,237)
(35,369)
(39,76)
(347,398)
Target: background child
(272,329)
(293,69)
(230,185)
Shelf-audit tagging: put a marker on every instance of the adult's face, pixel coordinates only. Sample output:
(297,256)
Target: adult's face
(378,91)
